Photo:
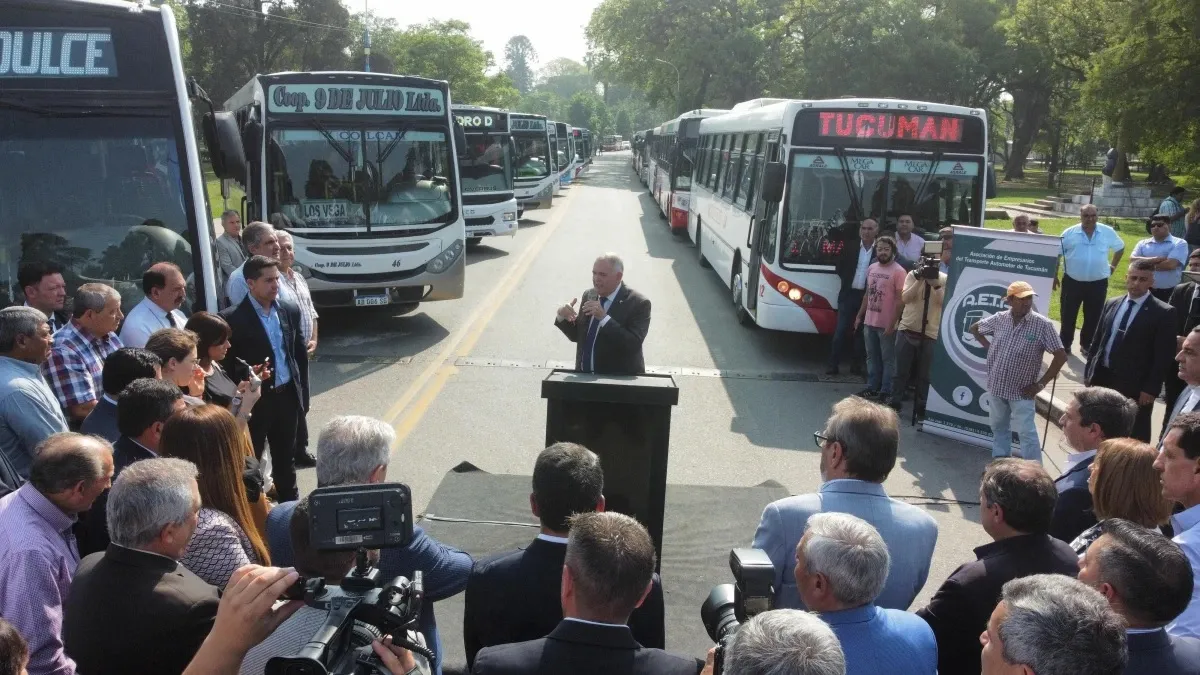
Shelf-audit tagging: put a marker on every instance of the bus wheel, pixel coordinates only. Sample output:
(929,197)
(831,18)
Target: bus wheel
(699,250)
(474,242)
(735,286)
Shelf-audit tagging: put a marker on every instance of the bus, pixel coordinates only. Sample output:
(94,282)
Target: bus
(556,158)
(671,165)
(487,171)
(99,165)
(583,141)
(613,143)
(641,157)
(361,169)
(838,162)
(534,165)
(566,152)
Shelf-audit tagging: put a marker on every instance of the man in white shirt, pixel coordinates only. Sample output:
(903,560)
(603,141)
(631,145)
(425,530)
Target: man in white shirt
(165,290)
(852,268)
(909,245)
(1178,466)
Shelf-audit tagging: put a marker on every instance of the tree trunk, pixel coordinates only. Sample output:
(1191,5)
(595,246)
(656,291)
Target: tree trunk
(1052,179)
(1124,147)
(1030,107)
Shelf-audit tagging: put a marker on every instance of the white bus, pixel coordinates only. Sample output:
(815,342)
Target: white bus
(361,169)
(566,152)
(671,157)
(535,168)
(487,171)
(839,161)
(641,157)
(99,167)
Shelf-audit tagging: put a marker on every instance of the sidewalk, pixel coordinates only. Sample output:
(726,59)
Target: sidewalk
(1052,401)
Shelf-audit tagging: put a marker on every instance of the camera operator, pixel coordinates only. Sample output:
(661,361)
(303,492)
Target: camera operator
(918,329)
(296,632)
(355,450)
(782,642)
(841,566)
(607,573)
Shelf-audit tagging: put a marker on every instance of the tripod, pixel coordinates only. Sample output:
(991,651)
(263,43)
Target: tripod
(916,364)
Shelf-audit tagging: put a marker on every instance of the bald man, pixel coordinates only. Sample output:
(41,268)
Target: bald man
(165,290)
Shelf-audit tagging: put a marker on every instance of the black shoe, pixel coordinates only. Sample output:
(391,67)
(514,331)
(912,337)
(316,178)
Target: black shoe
(305,460)
(869,394)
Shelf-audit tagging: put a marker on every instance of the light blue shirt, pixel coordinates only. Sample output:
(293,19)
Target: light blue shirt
(877,640)
(1172,247)
(273,326)
(1187,535)
(237,289)
(1088,258)
(29,413)
(910,534)
(1127,305)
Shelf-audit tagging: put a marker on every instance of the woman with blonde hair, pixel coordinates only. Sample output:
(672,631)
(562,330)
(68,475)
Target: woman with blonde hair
(1125,485)
(227,536)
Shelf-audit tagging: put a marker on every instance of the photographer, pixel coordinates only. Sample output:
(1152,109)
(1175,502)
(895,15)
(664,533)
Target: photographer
(296,631)
(782,642)
(918,329)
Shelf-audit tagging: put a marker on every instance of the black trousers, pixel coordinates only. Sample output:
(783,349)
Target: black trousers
(1091,295)
(909,348)
(1103,377)
(275,420)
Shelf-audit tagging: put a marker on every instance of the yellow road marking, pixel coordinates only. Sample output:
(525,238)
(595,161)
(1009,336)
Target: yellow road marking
(408,410)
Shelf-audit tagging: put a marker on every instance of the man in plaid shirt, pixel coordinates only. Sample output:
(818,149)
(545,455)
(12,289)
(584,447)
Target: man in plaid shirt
(1019,338)
(76,361)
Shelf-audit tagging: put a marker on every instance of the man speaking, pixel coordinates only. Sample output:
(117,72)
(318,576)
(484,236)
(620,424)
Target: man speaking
(610,325)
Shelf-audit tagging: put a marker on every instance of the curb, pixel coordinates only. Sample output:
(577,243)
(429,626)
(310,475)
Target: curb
(1050,407)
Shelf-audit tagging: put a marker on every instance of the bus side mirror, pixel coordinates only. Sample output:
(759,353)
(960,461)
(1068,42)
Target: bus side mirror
(990,187)
(224,142)
(772,182)
(460,140)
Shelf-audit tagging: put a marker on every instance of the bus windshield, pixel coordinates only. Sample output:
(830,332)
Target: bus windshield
(101,195)
(366,179)
(533,153)
(487,164)
(827,191)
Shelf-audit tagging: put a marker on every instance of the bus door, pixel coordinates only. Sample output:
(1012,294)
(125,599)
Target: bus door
(763,228)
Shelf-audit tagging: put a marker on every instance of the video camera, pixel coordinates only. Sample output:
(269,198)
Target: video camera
(356,518)
(930,264)
(730,605)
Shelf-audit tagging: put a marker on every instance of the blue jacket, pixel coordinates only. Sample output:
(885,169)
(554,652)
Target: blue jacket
(444,570)
(909,532)
(877,641)
(1160,653)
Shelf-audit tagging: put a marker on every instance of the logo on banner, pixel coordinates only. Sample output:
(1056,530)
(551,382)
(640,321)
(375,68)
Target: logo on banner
(818,163)
(967,309)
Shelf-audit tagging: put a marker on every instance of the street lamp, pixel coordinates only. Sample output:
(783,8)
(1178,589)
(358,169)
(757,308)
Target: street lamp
(678,102)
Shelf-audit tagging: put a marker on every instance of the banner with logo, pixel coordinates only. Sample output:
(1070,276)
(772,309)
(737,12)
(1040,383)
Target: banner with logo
(984,263)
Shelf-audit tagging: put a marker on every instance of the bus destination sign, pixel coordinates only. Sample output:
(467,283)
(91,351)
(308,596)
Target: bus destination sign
(56,53)
(473,120)
(361,100)
(527,124)
(902,126)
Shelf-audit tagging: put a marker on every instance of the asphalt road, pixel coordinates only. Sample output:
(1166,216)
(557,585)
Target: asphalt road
(460,379)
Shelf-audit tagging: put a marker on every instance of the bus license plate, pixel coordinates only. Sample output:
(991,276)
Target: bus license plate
(371,300)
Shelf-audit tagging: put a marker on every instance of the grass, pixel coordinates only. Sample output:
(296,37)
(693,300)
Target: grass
(1073,181)
(1131,230)
(216,203)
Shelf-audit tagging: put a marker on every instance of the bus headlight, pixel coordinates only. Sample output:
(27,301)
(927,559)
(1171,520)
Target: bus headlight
(794,295)
(510,216)
(303,270)
(445,259)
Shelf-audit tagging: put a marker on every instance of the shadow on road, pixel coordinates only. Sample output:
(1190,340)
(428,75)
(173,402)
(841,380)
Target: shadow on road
(354,344)
(484,252)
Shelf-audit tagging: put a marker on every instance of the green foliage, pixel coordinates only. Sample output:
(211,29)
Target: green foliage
(519,59)
(624,125)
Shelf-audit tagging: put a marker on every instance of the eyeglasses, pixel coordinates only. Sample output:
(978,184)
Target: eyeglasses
(821,439)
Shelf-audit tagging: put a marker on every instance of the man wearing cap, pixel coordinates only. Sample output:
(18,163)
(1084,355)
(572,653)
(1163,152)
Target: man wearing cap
(1134,345)
(1019,337)
(1172,207)
(1167,252)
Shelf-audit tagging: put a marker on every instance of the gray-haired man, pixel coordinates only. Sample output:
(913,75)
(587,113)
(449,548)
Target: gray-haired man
(76,361)
(260,239)
(1048,624)
(610,325)
(841,565)
(784,642)
(134,608)
(230,252)
(29,413)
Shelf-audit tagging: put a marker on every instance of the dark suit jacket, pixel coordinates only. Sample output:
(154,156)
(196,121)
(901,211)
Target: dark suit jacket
(514,597)
(1073,508)
(135,612)
(102,421)
(848,262)
(618,349)
(960,609)
(1160,653)
(250,343)
(1181,300)
(1144,358)
(91,530)
(582,649)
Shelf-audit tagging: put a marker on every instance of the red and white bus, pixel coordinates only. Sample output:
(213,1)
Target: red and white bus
(672,151)
(842,161)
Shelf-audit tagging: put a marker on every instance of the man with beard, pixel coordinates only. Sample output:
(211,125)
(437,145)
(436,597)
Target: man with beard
(879,313)
(858,451)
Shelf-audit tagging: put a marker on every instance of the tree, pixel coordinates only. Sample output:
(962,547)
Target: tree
(624,125)
(519,60)
(565,78)
(445,50)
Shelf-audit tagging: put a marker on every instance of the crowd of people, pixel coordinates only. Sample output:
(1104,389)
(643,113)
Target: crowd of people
(152,520)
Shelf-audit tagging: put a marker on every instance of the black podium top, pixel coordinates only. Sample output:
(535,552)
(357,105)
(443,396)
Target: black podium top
(568,385)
